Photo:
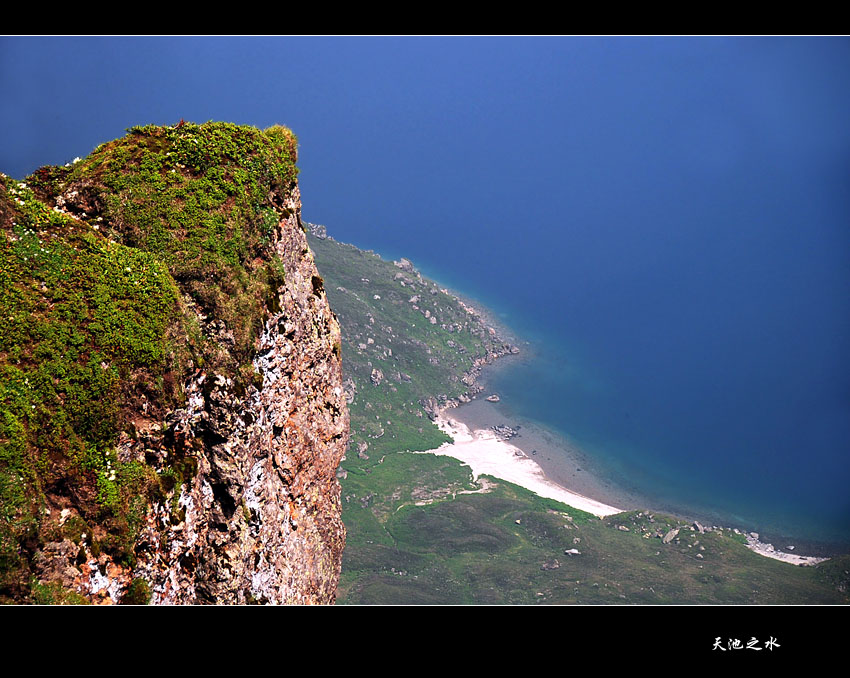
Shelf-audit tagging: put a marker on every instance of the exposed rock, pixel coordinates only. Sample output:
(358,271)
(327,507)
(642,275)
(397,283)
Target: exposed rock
(262,516)
(405,265)
(350,390)
(572,552)
(670,536)
(493,398)
(362,446)
(377,376)
(317,230)
(504,432)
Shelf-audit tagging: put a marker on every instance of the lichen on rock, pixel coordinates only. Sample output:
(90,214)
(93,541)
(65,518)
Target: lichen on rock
(170,380)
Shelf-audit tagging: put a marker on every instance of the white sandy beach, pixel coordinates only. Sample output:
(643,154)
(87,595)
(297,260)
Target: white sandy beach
(486,454)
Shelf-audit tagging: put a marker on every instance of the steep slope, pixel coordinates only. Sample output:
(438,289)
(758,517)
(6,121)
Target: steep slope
(408,346)
(171,404)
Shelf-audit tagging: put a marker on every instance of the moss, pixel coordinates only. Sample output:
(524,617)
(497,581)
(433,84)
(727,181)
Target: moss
(138,593)
(54,594)
(736,537)
(74,528)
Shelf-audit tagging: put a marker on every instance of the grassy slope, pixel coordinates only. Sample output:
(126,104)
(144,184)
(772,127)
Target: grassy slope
(384,330)
(416,535)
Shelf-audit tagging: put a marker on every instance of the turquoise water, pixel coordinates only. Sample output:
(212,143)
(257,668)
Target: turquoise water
(697,465)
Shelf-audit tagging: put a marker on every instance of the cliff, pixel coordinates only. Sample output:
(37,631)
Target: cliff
(171,405)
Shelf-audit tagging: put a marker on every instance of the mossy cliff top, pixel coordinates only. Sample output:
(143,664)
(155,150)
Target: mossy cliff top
(120,275)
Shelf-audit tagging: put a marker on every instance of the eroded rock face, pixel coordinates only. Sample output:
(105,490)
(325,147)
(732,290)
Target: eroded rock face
(256,518)
(260,520)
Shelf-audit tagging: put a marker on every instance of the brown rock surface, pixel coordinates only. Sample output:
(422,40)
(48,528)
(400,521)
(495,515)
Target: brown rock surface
(262,515)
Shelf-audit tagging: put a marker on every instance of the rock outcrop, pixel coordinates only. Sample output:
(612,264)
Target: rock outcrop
(213,479)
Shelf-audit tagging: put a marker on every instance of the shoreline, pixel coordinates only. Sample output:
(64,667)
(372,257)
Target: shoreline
(487,454)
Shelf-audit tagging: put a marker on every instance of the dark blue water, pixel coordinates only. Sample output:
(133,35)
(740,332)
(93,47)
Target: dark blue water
(684,281)
(666,219)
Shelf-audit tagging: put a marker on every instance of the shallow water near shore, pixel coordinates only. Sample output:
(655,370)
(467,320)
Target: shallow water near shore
(571,463)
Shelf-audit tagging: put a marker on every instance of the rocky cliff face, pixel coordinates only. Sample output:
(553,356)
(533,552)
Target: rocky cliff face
(204,417)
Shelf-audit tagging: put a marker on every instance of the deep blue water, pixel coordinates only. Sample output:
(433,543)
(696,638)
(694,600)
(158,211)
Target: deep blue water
(710,373)
(715,379)
(667,219)
(685,285)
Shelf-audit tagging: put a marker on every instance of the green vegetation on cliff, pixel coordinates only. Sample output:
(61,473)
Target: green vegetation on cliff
(101,262)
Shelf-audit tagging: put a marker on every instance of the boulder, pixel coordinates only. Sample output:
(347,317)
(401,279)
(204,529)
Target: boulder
(670,536)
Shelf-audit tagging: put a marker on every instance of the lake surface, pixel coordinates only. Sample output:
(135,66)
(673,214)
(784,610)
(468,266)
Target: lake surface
(668,225)
(666,220)
(713,379)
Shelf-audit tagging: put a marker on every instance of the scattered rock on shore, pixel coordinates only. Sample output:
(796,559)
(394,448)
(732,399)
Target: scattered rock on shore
(504,432)
(361,449)
(405,265)
(670,536)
